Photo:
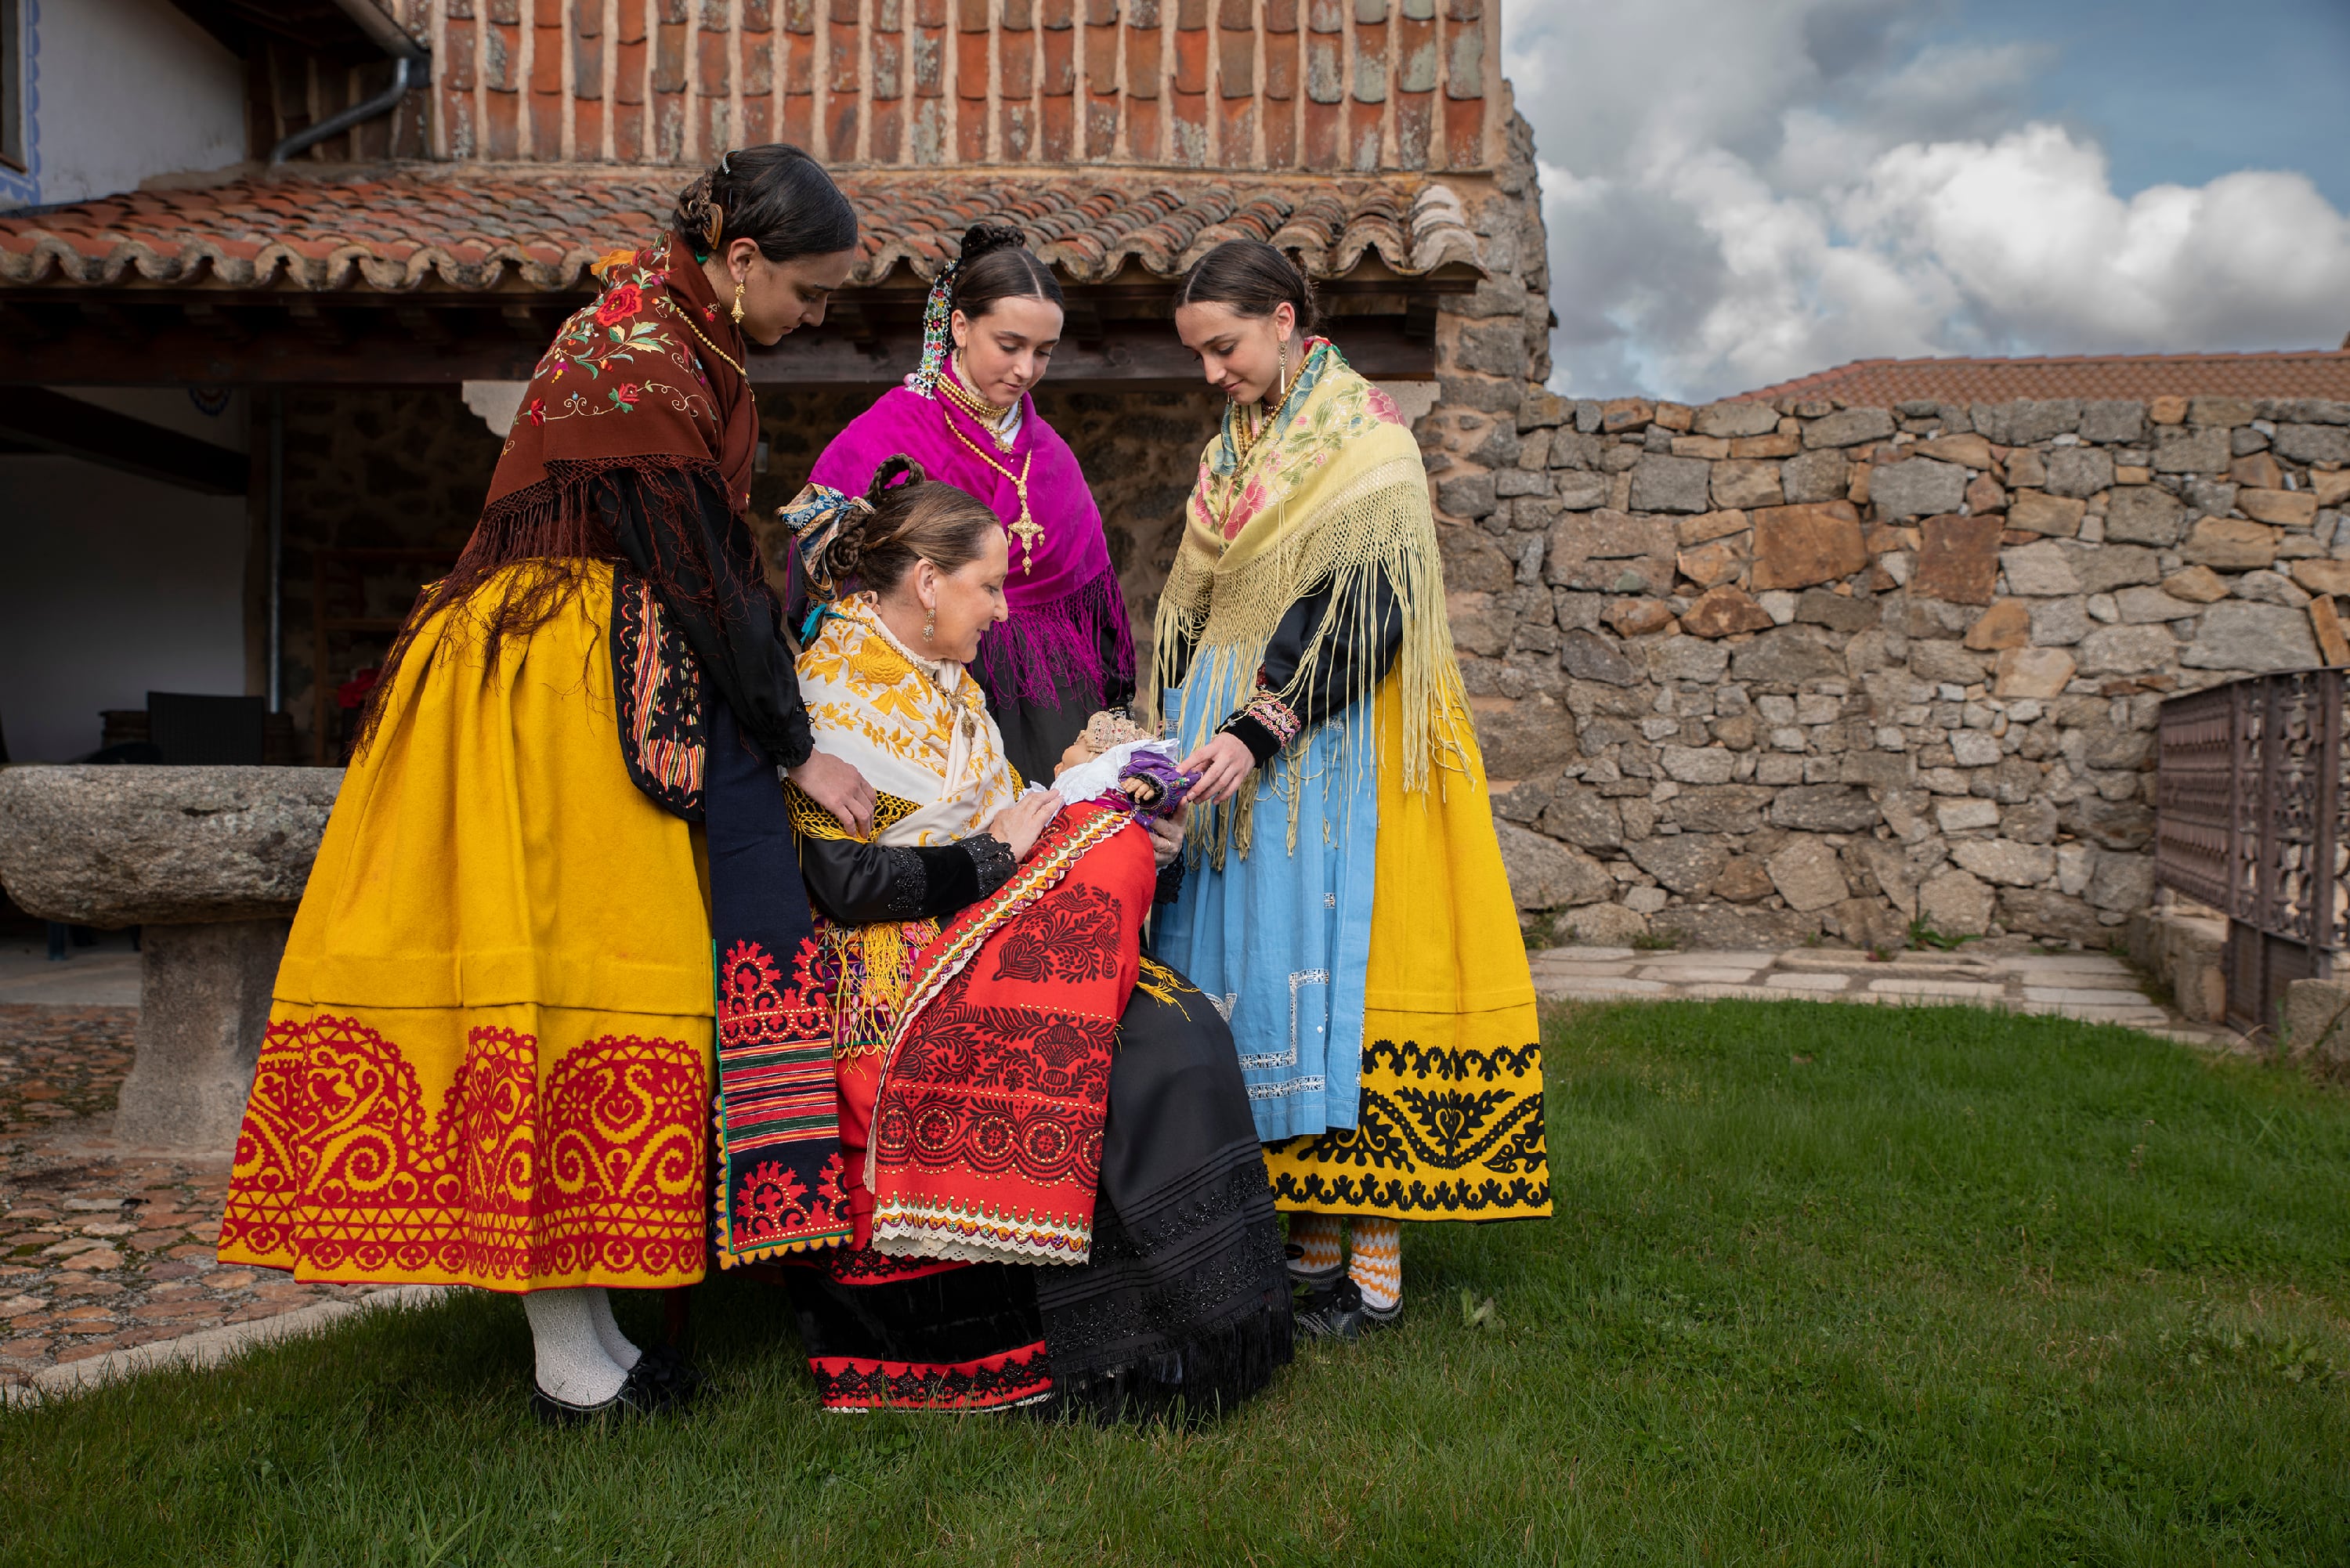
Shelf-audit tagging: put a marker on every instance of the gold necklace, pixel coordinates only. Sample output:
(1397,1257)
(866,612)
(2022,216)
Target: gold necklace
(990,416)
(1028,531)
(706,343)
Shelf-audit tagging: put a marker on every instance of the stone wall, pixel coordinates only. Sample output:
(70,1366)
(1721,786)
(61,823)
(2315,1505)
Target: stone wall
(1752,672)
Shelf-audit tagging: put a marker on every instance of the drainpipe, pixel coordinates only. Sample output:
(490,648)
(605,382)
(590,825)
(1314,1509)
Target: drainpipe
(277,550)
(411,66)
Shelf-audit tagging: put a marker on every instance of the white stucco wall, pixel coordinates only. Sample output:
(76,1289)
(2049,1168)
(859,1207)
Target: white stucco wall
(115,585)
(119,92)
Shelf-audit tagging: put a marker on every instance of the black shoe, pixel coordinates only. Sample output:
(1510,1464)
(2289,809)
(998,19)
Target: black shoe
(1341,1312)
(660,1366)
(640,1395)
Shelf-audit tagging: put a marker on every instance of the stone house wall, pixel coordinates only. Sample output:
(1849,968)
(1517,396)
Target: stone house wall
(1750,672)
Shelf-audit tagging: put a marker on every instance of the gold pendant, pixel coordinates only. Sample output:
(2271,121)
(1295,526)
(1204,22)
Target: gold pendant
(1027,530)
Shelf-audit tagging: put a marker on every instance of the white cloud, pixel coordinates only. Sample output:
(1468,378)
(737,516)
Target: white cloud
(1741,194)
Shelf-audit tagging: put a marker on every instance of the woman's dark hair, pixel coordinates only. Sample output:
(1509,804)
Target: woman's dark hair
(996,264)
(1254,279)
(914,518)
(773,195)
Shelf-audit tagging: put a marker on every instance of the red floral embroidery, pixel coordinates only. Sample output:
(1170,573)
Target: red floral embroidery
(538,410)
(618,304)
(341,1173)
(625,396)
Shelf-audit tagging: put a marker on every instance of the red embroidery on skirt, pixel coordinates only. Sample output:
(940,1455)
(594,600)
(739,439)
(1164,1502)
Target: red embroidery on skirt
(339,1175)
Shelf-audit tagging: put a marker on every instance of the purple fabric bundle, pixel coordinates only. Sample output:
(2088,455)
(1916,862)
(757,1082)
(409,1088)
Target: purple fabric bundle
(1171,782)
(1067,608)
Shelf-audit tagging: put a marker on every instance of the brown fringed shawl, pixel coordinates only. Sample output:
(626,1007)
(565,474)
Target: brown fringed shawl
(640,378)
(633,445)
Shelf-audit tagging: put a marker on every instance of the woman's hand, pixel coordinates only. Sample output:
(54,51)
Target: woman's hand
(1019,824)
(1166,836)
(1223,763)
(840,789)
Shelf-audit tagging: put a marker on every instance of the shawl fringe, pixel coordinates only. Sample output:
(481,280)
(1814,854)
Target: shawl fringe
(1045,650)
(1377,529)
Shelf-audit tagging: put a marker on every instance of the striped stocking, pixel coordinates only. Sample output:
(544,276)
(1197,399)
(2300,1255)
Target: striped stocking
(1378,1266)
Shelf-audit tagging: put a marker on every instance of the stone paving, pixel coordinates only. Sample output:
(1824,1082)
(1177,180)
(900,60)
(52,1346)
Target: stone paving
(101,1249)
(2089,986)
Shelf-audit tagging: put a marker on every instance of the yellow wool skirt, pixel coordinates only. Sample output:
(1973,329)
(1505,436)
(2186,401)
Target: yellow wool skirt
(488,1060)
(1451,1120)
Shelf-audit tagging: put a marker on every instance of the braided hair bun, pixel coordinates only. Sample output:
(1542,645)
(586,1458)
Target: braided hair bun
(997,265)
(774,195)
(912,518)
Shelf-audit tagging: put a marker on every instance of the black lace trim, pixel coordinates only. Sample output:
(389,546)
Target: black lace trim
(910,883)
(992,859)
(1170,882)
(1181,1316)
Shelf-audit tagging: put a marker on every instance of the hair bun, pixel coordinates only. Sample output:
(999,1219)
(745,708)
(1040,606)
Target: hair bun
(893,471)
(980,238)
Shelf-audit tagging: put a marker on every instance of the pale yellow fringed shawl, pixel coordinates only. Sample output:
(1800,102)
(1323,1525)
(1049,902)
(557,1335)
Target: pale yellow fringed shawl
(1335,493)
(919,731)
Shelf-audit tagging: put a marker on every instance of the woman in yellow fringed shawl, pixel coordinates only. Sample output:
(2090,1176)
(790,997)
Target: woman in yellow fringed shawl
(1347,905)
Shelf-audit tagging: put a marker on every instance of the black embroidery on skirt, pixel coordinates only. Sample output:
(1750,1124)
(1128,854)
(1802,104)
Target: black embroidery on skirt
(657,689)
(1441,1144)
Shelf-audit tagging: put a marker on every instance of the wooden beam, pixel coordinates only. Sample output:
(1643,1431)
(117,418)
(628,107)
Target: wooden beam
(51,421)
(345,345)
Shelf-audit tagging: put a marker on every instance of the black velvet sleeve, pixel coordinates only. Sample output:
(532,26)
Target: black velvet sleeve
(700,556)
(861,884)
(1336,661)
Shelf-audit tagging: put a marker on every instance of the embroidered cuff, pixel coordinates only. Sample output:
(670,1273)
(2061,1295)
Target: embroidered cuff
(910,883)
(1263,725)
(992,859)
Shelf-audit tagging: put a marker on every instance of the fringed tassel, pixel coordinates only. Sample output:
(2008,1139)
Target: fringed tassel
(1046,650)
(1383,537)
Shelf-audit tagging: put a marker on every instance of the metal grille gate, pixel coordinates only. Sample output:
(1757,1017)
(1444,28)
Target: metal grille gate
(2250,819)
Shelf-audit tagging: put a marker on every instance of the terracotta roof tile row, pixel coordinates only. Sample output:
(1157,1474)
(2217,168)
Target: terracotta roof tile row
(1358,85)
(1884,384)
(404,227)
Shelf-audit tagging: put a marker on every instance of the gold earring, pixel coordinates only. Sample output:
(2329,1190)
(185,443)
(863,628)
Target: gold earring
(1284,368)
(738,301)
(929,624)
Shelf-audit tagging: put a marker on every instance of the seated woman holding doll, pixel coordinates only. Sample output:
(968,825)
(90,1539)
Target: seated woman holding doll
(1039,1180)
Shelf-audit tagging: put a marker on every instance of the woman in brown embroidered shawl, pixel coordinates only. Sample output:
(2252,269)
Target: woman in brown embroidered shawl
(488,1058)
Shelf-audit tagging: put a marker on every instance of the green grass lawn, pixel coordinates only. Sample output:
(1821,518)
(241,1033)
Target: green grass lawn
(1828,1284)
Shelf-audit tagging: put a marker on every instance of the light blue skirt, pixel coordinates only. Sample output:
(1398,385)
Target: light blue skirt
(1280,940)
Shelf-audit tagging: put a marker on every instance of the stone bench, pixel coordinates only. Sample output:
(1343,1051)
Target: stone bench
(209,863)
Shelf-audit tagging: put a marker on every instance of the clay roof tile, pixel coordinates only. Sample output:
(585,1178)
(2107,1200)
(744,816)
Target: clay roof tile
(400,227)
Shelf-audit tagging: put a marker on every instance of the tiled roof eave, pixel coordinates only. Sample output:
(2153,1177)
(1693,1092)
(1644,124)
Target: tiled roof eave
(407,229)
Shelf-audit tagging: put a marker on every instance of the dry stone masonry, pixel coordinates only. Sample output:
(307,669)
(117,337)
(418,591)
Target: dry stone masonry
(1758,671)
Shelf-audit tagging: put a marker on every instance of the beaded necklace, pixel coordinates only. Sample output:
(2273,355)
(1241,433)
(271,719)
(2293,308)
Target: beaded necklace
(991,417)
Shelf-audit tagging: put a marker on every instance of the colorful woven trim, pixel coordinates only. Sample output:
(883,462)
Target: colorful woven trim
(973,1234)
(938,316)
(664,736)
(1278,717)
(1021,1376)
(778,1113)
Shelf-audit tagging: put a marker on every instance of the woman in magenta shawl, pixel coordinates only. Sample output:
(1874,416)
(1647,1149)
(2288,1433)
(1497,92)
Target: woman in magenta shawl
(966,416)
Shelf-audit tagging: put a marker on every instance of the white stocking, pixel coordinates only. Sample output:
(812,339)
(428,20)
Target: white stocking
(571,1364)
(617,1345)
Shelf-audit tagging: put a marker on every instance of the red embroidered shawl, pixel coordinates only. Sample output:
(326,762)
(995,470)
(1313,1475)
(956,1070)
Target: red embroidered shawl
(987,1131)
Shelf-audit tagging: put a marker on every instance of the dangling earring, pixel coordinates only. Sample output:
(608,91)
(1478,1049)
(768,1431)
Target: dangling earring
(738,301)
(929,624)
(1284,372)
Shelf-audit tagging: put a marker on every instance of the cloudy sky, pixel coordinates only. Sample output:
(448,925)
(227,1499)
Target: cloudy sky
(1743,191)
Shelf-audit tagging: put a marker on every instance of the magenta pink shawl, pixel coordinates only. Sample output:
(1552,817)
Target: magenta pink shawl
(1067,609)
